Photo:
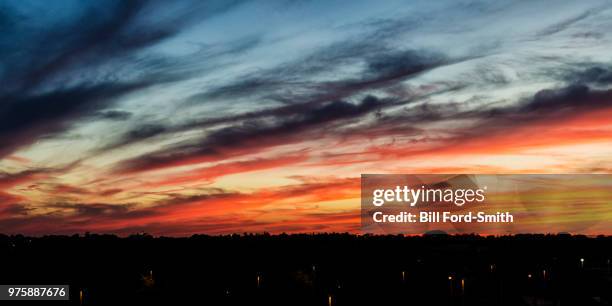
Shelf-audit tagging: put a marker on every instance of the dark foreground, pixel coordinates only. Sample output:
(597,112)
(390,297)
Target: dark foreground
(340,269)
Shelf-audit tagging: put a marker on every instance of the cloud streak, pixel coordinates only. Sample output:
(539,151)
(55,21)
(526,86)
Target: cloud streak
(219,117)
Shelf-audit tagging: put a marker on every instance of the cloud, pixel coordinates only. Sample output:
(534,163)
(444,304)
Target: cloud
(296,85)
(544,106)
(565,24)
(304,121)
(114,115)
(94,35)
(569,114)
(8,180)
(295,82)
(141,133)
(25,118)
(209,174)
(304,83)
(213,210)
(95,210)
(597,75)
(220,89)
(251,136)
(14,209)
(61,74)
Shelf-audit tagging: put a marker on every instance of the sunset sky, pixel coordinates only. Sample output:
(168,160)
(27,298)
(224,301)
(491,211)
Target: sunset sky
(216,117)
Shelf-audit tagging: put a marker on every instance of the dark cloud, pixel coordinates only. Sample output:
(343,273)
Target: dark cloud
(289,83)
(295,82)
(87,40)
(92,209)
(95,34)
(25,118)
(141,133)
(177,199)
(11,179)
(596,75)
(296,85)
(56,73)
(129,218)
(572,99)
(401,64)
(113,115)
(15,210)
(382,70)
(64,190)
(110,192)
(257,134)
(543,107)
(564,24)
(66,217)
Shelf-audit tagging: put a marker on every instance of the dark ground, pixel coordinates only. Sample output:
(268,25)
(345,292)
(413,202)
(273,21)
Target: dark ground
(311,269)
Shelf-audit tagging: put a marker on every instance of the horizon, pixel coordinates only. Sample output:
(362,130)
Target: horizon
(430,234)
